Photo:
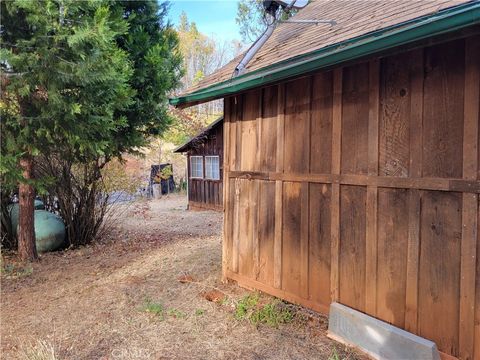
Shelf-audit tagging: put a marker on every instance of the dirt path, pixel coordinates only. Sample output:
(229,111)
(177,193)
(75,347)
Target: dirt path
(92,303)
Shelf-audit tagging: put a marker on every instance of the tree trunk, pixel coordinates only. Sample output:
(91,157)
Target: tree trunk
(26,230)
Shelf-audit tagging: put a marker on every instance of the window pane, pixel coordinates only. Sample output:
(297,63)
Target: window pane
(196,166)
(212,167)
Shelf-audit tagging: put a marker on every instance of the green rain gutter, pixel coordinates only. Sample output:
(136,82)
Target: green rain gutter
(448,20)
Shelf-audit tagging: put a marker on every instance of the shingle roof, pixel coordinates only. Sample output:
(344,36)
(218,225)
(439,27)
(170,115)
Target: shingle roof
(354,19)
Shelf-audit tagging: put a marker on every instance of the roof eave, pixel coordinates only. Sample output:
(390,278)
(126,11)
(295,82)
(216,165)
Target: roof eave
(448,20)
(186,146)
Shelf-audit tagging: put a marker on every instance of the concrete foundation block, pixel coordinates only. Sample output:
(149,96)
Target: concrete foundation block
(377,338)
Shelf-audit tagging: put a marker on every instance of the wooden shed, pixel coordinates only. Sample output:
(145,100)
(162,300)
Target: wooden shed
(352,165)
(205,167)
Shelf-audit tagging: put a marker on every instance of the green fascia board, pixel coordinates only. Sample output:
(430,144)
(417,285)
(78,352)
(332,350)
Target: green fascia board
(448,20)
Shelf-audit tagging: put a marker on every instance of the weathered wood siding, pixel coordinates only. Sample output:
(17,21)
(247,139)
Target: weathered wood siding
(360,185)
(204,193)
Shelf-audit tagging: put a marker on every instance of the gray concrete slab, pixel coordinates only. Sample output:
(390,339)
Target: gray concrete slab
(377,338)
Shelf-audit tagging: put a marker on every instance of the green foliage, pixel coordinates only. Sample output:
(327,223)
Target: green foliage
(155,308)
(85,79)
(177,314)
(64,80)
(334,355)
(250,17)
(198,52)
(199,312)
(152,47)
(166,172)
(83,82)
(272,313)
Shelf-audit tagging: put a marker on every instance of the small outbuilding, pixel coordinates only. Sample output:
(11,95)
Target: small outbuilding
(205,167)
(351,165)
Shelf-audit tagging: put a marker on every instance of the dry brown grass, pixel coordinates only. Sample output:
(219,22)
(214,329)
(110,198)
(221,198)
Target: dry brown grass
(123,299)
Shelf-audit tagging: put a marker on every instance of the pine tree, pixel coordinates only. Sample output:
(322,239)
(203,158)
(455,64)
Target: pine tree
(152,47)
(64,79)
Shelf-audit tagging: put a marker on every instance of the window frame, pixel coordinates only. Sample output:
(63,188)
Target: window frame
(219,174)
(202,167)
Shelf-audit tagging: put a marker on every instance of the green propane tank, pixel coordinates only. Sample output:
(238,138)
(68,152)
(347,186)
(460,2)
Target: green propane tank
(49,231)
(14,210)
(49,228)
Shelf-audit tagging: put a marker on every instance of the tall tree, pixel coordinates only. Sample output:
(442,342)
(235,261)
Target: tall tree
(202,55)
(79,86)
(64,78)
(153,48)
(250,19)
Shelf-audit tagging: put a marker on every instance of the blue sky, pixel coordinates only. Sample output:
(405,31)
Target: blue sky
(213,17)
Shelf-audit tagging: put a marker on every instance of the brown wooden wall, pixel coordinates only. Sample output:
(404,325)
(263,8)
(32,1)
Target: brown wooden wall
(360,185)
(203,193)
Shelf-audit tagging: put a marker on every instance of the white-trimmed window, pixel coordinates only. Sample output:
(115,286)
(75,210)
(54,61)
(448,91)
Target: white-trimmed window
(196,167)
(212,167)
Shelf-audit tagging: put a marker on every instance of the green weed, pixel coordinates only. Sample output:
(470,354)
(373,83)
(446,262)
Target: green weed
(334,355)
(176,313)
(153,308)
(199,312)
(272,313)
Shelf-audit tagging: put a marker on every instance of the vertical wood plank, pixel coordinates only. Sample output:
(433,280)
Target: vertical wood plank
(476,350)
(373,116)
(319,242)
(355,116)
(227,221)
(470,201)
(443,103)
(372,191)
(414,196)
(239,99)
(352,253)
(439,269)
(292,267)
(266,230)
(321,123)
(416,114)
(468,261)
(371,251)
(236,227)
(297,126)
(335,202)
(277,246)
(258,132)
(394,129)
(254,201)
(250,116)
(280,128)
(268,141)
(471,108)
(392,255)
(304,245)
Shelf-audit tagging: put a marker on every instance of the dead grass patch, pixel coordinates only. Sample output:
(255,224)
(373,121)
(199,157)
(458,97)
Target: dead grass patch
(103,301)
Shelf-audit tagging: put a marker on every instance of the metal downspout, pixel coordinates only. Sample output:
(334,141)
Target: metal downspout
(257,45)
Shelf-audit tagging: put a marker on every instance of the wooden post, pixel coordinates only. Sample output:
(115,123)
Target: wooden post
(415,171)
(372,191)
(277,246)
(226,187)
(468,258)
(335,203)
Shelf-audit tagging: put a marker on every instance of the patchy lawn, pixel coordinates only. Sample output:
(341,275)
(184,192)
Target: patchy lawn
(151,290)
